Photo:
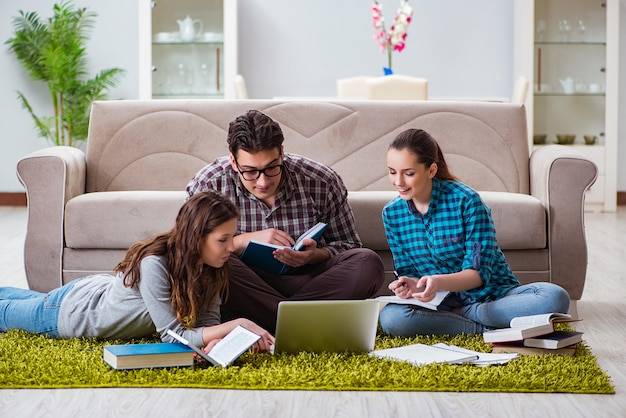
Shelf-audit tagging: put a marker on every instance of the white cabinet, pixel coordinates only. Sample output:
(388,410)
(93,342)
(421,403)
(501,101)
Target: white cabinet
(568,49)
(188,48)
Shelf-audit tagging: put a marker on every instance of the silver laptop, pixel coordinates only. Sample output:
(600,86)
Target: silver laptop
(326,325)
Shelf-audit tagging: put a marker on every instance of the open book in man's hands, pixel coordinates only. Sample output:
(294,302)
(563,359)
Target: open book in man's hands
(260,254)
(523,327)
(228,349)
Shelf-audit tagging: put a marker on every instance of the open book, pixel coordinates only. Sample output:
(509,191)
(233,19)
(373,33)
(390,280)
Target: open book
(433,304)
(260,254)
(420,354)
(523,327)
(484,359)
(234,344)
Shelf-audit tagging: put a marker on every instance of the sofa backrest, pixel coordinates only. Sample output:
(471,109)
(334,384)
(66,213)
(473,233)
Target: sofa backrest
(161,144)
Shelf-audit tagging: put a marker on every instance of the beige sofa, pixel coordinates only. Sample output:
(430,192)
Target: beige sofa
(86,209)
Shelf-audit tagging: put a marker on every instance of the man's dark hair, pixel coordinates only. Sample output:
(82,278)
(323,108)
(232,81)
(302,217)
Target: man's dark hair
(252,132)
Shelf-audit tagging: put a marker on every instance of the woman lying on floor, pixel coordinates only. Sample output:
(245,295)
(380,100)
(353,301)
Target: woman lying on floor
(174,280)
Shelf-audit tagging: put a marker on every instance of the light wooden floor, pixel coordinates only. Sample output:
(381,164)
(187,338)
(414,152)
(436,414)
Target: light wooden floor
(603,309)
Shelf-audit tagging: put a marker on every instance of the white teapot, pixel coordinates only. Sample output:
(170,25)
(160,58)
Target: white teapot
(187,28)
(568,85)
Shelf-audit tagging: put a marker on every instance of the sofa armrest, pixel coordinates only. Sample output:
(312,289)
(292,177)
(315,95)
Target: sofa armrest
(559,177)
(51,176)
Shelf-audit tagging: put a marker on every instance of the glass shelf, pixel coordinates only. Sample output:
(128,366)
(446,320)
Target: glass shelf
(579,57)
(188,69)
(178,43)
(191,94)
(580,146)
(571,43)
(205,66)
(569,95)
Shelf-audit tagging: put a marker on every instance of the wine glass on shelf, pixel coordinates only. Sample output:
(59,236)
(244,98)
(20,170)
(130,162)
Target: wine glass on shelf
(206,76)
(582,29)
(564,28)
(164,82)
(185,78)
(540,28)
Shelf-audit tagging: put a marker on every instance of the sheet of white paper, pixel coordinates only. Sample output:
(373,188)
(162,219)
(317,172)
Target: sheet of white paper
(484,359)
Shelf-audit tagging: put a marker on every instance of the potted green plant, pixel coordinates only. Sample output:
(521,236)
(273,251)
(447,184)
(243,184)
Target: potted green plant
(54,51)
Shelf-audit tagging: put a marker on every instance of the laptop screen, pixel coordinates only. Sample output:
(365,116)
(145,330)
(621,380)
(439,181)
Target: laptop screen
(326,325)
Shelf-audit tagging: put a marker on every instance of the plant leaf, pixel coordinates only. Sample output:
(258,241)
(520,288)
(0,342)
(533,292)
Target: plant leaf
(54,51)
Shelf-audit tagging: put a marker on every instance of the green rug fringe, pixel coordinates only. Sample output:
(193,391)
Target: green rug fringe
(31,361)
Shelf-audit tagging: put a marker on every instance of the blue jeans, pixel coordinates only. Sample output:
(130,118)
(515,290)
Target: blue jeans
(457,315)
(31,311)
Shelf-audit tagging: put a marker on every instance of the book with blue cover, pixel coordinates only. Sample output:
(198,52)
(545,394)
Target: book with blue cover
(260,254)
(555,340)
(150,355)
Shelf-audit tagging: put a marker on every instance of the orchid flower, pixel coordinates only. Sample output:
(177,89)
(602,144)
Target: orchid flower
(394,39)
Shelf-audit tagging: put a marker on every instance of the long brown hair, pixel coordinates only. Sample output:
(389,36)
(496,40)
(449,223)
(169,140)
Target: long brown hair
(425,148)
(194,284)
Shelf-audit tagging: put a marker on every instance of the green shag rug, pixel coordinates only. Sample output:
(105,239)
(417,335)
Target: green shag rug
(30,361)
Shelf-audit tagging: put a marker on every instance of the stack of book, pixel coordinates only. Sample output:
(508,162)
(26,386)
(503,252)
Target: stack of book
(534,334)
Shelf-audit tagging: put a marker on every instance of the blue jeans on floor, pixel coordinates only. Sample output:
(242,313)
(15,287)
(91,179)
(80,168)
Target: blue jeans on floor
(31,311)
(473,318)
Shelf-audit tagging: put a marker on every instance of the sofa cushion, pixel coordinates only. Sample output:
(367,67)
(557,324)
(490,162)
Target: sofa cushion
(520,220)
(101,220)
(114,220)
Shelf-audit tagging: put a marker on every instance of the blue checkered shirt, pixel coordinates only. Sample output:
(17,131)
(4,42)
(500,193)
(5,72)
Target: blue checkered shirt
(310,193)
(455,234)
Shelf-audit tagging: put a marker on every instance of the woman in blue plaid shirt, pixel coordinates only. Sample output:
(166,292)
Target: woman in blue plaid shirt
(442,238)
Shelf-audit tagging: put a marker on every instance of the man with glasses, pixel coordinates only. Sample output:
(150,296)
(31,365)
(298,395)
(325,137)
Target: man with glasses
(280,196)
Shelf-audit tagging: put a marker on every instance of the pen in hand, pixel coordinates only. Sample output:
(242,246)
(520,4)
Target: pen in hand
(404,284)
(395,273)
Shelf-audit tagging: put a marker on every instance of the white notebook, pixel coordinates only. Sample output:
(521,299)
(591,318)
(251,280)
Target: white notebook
(433,304)
(421,354)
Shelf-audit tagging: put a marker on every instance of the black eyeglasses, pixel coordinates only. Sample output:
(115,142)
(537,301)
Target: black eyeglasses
(251,175)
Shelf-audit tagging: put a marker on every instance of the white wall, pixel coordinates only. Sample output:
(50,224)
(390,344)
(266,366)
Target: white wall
(294,48)
(290,48)
(113,43)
